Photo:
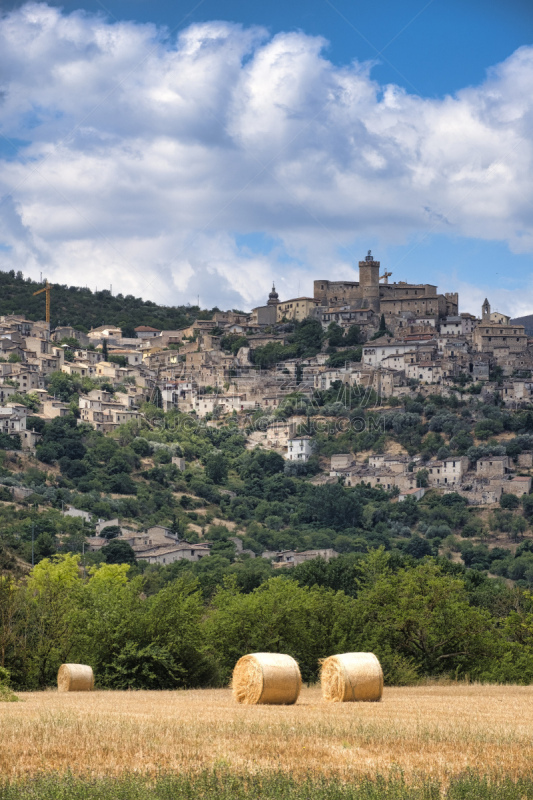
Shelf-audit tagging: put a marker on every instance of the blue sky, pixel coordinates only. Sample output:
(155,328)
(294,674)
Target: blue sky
(432,48)
(143,144)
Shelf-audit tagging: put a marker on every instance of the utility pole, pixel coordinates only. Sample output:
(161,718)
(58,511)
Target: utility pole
(32,543)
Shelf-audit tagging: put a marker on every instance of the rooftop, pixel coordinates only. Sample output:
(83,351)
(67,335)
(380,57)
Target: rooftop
(147,329)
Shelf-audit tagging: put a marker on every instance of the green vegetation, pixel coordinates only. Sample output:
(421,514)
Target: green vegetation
(304,340)
(414,575)
(169,628)
(224,785)
(6,695)
(339,359)
(232,342)
(83,309)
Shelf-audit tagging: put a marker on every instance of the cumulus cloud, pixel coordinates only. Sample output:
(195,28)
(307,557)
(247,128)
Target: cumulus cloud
(151,162)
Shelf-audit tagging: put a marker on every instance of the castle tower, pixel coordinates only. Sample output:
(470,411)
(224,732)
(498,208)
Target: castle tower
(369,282)
(485,311)
(273,297)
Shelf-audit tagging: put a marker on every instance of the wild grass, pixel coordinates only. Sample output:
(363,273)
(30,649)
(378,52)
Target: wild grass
(429,733)
(278,786)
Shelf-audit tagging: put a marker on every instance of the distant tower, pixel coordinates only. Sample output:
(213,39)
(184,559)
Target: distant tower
(273,297)
(369,282)
(485,311)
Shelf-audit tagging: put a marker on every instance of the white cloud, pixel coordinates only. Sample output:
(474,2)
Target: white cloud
(148,158)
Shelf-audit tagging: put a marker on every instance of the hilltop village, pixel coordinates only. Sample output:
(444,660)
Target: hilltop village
(371,351)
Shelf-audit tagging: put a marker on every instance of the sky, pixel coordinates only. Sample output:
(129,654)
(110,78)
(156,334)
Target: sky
(198,151)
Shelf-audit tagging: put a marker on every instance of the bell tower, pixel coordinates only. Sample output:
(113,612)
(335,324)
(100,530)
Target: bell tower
(369,282)
(273,297)
(485,311)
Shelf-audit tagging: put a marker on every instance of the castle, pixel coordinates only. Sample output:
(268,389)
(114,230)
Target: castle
(374,293)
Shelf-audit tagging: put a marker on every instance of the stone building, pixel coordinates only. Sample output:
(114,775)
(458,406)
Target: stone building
(300,448)
(489,336)
(392,299)
(298,308)
(492,466)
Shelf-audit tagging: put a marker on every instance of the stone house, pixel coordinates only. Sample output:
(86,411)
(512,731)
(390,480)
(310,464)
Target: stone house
(425,371)
(489,335)
(172,553)
(397,464)
(146,332)
(298,308)
(492,466)
(340,461)
(84,369)
(448,472)
(54,408)
(379,349)
(518,486)
(278,433)
(104,332)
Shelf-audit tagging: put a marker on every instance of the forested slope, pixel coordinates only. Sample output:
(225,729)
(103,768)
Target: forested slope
(83,309)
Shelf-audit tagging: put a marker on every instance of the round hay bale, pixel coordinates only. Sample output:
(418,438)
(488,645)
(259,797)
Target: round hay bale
(351,676)
(266,678)
(75,678)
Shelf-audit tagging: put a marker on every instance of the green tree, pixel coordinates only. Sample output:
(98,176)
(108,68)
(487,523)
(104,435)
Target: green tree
(278,617)
(422,477)
(62,386)
(216,467)
(353,336)
(52,595)
(110,531)
(509,501)
(335,335)
(118,552)
(425,616)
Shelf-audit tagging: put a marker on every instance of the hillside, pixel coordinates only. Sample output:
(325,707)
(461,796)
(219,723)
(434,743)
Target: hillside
(83,309)
(527,322)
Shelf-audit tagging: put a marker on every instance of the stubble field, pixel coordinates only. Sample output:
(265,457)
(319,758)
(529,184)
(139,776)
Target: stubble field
(435,731)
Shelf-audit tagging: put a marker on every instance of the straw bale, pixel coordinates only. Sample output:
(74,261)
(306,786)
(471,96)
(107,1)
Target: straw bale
(351,676)
(75,678)
(266,678)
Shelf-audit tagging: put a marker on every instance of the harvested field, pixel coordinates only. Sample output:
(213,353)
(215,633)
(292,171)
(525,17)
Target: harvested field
(435,730)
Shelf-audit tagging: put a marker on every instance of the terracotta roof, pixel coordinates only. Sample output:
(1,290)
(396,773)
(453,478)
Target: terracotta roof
(147,328)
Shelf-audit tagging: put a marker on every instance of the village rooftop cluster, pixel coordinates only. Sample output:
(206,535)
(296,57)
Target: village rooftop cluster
(413,340)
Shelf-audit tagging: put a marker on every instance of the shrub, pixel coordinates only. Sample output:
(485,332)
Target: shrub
(6,695)
(509,501)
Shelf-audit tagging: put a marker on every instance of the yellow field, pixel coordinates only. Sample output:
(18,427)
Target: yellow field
(440,730)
